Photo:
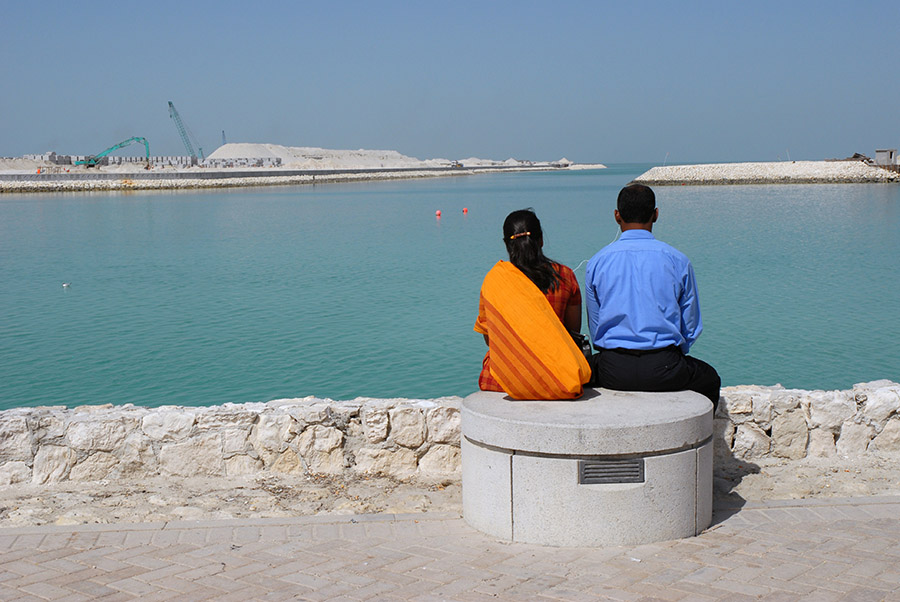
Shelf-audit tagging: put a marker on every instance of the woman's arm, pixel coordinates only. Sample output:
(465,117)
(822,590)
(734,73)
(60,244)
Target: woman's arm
(572,317)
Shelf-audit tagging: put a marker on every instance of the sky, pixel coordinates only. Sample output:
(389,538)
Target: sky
(592,81)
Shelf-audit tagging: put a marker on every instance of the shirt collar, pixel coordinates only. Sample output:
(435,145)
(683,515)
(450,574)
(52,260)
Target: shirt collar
(636,234)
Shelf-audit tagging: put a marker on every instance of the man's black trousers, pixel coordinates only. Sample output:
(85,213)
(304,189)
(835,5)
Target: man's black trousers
(657,370)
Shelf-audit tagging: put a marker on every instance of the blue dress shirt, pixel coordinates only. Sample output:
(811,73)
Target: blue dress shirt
(642,294)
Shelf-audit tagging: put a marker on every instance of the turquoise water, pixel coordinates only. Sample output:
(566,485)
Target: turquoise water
(358,290)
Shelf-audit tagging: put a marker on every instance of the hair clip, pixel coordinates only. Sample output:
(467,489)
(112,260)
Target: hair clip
(514,236)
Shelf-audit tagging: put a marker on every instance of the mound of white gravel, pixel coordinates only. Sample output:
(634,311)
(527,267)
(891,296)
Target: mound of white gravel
(783,172)
(302,157)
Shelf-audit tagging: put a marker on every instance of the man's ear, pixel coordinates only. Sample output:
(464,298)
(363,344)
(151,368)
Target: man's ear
(655,215)
(617,216)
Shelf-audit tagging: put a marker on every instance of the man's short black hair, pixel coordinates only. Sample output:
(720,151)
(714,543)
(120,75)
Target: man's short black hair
(636,204)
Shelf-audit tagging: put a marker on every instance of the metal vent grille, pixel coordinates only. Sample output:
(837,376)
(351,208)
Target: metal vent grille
(593,472)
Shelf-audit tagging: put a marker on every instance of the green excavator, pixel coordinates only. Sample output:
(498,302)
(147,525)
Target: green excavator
(94,160)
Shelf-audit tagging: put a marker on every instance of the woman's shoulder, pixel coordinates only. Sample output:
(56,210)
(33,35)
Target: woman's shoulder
(566,276)
(564,271)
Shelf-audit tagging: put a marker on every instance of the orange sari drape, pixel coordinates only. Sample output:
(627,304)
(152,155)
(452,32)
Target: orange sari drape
(532,354)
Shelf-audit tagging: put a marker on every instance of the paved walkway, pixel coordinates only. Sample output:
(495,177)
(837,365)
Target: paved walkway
(823,550)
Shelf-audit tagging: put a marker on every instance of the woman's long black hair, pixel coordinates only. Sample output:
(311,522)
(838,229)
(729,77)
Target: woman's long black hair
(524,239)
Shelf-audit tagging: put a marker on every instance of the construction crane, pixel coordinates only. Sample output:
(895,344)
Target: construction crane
(185,134)
(94,160)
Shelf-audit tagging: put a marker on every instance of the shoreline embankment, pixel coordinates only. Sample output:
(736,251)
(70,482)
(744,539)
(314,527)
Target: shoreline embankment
(781,172)
(401,438)
(227,178)
(769,442)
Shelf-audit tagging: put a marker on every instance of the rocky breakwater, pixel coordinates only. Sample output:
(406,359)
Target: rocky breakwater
(782,172)
(124,183)
(403,439)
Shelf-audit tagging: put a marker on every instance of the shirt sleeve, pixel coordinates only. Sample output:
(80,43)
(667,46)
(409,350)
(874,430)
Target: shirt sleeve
(691,322)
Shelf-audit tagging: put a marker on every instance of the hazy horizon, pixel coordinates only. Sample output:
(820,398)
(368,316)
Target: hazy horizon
(592,82)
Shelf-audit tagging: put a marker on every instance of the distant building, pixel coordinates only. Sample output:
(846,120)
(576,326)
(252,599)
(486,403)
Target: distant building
(887,158)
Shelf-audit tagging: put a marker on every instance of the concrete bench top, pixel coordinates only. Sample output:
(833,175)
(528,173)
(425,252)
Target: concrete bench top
(602,422)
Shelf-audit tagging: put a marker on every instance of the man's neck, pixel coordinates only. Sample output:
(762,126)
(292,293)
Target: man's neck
(635,226)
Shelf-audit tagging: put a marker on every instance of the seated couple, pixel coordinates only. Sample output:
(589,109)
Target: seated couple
(643,313)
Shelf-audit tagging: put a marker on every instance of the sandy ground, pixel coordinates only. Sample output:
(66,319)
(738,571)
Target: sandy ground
(775,479)
(165,499)
(206,498)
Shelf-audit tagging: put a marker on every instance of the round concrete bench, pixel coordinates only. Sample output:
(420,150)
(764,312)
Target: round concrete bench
(611,468)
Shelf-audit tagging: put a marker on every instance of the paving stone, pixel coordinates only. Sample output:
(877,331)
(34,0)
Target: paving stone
(790,550)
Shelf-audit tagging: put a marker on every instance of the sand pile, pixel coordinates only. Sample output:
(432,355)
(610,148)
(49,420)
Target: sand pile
(301,157)
(320,158)
(19,165)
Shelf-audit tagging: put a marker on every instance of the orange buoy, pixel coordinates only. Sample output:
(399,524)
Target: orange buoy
(465,209)
(437,213)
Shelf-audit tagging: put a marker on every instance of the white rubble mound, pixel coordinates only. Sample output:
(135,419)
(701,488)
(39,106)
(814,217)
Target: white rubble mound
(787,171)
(301,157)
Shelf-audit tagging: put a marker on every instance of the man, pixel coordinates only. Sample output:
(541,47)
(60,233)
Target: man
(643,310)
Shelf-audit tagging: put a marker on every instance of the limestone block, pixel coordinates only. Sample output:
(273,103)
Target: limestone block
(407,426)
(168,425)
(829,409)
(441,461)
(137,456)
(375,422)
(342,412)
(49,425)
(821,444)
(790,435)
(723,437)
(762,411)
(785,400)
(443,424)
(354,429)
(287,462)
(93,409)
(310,413)
(52,463)
(227,416)
(320,446)
(131,417)
(238,466)
(400,463)
(750,441)
(14,472)
(95,467)
(874,384)
(854,439)
(880,405)
(235,441)
(273,432)
(321,438)
(888,440)
(738,402)
(200,455)
(15,438)
(95,435)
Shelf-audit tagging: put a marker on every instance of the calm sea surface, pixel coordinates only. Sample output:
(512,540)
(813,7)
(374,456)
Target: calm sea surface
(358,290)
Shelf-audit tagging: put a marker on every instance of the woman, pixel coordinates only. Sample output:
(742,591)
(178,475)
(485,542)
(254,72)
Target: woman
(530,318)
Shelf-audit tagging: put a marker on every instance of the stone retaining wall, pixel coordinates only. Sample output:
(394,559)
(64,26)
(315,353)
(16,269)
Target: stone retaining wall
(401,438)
(759,422)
